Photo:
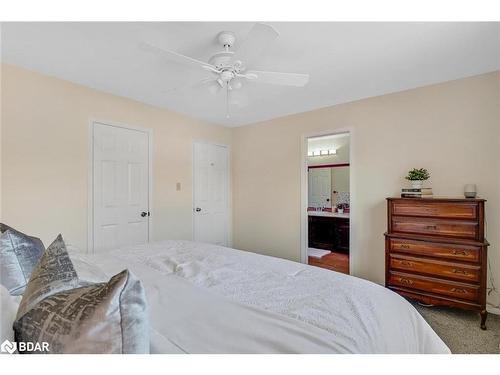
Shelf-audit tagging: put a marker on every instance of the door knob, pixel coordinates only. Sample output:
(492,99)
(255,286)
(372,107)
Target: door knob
(144,214)
(197,209)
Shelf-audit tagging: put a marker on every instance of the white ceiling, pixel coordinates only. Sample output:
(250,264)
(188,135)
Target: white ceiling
(346,61)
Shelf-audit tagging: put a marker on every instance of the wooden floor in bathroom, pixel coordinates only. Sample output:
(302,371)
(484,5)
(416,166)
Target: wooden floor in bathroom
(334,261)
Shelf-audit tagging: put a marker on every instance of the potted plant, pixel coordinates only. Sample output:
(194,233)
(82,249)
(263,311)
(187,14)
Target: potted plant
(417,176)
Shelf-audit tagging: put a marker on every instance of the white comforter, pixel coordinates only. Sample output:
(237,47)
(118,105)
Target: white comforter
(210,299)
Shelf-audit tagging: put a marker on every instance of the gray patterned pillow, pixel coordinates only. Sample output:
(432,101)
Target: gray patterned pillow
(100,318)
(19,254)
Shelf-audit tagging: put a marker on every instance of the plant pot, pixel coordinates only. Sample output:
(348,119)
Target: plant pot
(416,184)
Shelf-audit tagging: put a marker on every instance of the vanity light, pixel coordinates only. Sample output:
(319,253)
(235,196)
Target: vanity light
(322,152)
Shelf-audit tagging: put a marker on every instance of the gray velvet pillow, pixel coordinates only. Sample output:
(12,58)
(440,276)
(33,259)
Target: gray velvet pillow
(108,317)
(19,254)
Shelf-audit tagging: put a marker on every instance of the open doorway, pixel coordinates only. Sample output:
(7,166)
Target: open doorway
(328,201)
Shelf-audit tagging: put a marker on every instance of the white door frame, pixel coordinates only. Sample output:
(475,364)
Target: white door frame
(304,231)
(90,206)
(229,234)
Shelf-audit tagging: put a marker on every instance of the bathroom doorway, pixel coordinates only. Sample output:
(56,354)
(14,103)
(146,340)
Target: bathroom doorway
(328,201)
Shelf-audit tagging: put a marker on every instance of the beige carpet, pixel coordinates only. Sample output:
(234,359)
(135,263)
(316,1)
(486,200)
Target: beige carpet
(460,329)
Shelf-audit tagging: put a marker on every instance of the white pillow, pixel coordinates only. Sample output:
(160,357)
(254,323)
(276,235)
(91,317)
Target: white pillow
(8,310)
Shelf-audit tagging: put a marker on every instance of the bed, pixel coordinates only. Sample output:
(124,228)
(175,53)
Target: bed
(211,299)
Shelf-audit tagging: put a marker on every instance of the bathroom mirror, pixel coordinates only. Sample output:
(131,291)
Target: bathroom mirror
(328,186)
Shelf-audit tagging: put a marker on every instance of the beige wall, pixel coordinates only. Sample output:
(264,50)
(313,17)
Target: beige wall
(452,129)
(45,155)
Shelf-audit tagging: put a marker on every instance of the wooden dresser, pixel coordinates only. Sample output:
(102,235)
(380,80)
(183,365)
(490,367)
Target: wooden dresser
(436,253)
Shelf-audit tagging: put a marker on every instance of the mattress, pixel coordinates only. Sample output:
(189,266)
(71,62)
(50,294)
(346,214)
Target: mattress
(210,299)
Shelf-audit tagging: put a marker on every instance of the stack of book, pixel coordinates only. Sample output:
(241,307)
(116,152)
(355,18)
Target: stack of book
(416,193)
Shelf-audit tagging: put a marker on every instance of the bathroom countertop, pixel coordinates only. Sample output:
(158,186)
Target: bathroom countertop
(328,214)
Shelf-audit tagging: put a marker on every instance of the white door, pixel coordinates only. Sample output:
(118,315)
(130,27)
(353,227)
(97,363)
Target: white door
(320,187)
(211,193)
(121,187)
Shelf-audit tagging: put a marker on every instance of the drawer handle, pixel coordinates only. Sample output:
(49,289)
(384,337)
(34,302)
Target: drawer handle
(405,281)
(460,252)
(433,227)
(406,263)
(404,246)
(458,290)
(461,272)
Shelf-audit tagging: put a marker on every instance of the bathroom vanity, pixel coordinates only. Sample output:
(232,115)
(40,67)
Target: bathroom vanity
(329,231)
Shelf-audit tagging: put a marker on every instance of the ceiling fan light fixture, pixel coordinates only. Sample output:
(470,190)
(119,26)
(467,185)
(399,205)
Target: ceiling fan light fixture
(213,87)
(226,75)
(236,84)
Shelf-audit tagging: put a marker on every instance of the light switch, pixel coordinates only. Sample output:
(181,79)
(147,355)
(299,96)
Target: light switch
(178,186)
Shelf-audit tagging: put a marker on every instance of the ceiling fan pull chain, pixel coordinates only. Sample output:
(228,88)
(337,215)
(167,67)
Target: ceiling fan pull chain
(227,100)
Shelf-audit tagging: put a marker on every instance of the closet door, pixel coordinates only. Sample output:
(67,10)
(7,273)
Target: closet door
(211,193)
(120,187)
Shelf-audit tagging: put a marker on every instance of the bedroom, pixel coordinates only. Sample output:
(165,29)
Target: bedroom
(112,139)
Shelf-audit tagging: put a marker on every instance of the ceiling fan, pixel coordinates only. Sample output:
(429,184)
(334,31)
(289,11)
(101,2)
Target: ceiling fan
(229,69)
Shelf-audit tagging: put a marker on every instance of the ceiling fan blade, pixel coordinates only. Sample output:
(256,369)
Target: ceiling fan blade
(278,78)
(259,37)
(176,57)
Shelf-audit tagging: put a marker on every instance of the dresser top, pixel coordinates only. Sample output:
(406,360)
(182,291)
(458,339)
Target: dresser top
(439,199)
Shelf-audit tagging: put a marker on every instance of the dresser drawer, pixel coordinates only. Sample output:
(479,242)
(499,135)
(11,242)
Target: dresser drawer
(462,210)
(431,285)
(457,271)
(438,250)
(435,227)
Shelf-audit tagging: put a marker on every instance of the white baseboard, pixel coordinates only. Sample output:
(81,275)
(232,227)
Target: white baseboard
(493,310)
